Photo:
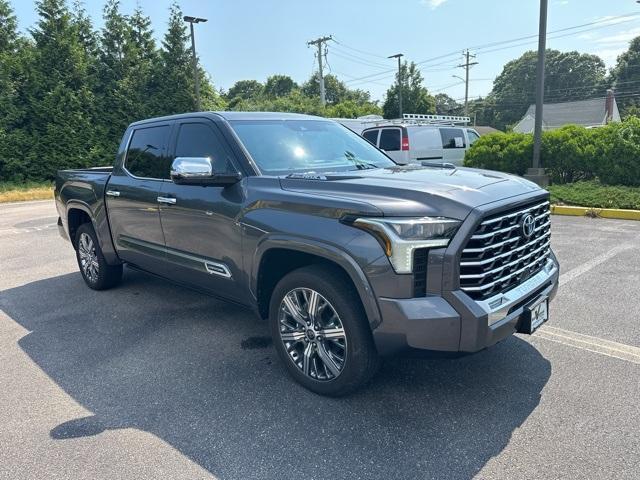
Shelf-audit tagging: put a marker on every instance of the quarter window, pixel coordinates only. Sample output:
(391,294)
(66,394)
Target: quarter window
(199,140)
(452,138)
(390,139)
(372,136)
(145,156)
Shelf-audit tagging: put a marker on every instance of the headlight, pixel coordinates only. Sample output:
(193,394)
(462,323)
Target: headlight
(400,236)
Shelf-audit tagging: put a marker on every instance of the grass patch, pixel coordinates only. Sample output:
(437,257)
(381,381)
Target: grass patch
(19,192)
(594,194)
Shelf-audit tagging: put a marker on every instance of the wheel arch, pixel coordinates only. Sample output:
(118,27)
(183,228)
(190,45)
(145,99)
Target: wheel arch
(279,255)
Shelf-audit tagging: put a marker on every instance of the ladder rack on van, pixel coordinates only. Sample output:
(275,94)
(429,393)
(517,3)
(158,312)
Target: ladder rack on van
(420,119)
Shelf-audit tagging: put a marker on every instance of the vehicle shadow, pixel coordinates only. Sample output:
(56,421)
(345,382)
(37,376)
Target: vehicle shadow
(199,374)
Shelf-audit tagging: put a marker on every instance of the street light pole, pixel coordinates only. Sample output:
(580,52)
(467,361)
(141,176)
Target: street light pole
(398,56)
(537,173)
(196,77)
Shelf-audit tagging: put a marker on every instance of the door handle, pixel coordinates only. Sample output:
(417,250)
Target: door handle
(167,200)
(113,193)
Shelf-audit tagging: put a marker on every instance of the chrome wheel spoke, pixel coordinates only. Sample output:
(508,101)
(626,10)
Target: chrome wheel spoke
(306,359)
(295,336)
(292,309)
(313,299)
(327,360)
(332,333)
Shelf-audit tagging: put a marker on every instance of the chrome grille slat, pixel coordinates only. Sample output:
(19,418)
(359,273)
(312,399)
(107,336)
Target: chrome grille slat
(489,285)
(498,256)
(507,265)
(519,212)
(502,255)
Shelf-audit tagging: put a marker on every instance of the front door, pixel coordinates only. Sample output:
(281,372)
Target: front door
(132,198)
(453,145)
(202,237)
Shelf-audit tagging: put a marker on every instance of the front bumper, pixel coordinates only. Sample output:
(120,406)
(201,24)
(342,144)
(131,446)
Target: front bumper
(454,322)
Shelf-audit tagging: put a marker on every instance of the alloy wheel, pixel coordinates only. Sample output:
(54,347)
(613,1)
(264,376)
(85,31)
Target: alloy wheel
(312,334)
(88,257)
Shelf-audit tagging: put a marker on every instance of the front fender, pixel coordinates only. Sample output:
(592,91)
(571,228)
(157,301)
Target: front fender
(324,250)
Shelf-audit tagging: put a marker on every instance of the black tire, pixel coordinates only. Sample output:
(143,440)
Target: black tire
(104,276)
(361,359)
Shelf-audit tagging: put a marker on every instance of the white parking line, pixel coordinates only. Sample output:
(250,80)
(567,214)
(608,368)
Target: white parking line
(591,344)
(594,262)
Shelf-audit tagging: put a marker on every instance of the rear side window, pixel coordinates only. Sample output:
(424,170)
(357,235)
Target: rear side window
(372,136)
(145,156)
(200,140)
(425,138)
(452,138)
(390,139)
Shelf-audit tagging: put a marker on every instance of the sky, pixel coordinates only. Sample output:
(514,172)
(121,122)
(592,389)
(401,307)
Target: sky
(252,39)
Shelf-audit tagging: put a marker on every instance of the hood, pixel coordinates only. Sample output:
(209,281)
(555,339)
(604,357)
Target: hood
(416,190)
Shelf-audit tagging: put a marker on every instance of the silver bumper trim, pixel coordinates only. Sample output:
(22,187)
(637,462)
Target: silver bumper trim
(497,307)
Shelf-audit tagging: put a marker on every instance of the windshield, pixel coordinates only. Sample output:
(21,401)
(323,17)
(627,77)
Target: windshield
(306,146)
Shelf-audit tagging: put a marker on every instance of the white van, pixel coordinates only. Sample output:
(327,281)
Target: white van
(410,141)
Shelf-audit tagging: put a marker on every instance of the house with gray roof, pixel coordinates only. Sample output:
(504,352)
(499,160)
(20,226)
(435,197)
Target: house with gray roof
(588,113)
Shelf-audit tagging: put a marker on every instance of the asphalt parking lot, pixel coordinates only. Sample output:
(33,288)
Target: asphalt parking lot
(150,380)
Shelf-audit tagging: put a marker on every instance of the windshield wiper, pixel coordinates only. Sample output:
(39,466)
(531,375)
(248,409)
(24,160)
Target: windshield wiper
(359,163)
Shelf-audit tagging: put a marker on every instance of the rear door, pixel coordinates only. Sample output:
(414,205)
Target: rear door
(202,236)
(454,144)
(132,197)
(391,142)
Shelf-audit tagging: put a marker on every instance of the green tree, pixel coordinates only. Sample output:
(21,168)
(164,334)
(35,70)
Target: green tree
(568,76)
(625,77)
(445,105)
(13,55)
(175,91)
(279,86)
(60,98)
(415,97)
(335,91)
(245,89)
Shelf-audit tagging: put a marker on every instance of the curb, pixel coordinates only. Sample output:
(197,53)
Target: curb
(616,213)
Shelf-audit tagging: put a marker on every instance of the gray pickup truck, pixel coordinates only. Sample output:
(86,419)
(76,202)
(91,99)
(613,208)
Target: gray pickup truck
(349,256)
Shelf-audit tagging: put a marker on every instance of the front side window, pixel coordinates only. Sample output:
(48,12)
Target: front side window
(280,147)
(390,139)
(452,138)
(199,140)
(145,156)
(473,136)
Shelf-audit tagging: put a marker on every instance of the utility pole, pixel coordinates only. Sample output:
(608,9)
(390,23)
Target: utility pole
(399,56)
(319,42)
(196,77)
(466,65)
(537,173)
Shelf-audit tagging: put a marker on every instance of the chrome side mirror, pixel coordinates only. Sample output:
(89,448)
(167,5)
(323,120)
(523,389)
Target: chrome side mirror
(184,168)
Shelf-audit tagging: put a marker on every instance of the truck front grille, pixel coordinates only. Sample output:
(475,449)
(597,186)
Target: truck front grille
(499,255)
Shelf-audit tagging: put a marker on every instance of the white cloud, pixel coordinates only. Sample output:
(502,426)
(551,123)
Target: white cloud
(624,36)
(433,4)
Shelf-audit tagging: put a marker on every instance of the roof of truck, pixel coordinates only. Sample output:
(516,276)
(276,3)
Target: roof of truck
(236,116)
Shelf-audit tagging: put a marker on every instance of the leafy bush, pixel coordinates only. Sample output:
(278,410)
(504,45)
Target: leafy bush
(593,194)
(506,152)
(571,153)
(620,162)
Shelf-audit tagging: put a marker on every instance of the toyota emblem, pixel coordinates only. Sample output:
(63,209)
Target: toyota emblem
(528,225)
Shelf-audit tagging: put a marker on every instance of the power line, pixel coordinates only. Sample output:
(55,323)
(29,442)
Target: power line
(604,23)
